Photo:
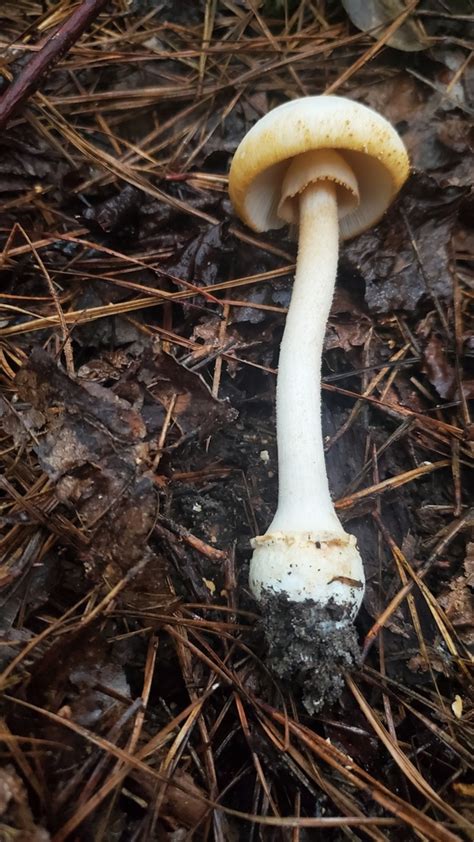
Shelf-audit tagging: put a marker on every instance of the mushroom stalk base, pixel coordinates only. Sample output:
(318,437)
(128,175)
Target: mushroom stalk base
(310,646)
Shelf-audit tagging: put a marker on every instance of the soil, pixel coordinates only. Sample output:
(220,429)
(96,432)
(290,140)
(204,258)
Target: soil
(309,647)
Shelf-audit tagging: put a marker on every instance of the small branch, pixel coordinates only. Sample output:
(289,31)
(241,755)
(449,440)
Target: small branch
(57,45)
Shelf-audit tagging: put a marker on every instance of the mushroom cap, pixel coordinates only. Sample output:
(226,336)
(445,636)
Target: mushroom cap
(365,139)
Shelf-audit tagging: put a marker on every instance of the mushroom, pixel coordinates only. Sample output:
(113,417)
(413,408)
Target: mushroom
(331,166)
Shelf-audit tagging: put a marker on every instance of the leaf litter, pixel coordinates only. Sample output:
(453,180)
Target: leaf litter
(139,331)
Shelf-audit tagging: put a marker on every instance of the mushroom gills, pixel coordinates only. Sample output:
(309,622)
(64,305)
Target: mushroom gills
(318,165)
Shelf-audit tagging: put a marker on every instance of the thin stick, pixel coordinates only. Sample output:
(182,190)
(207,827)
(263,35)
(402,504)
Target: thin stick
(57,45)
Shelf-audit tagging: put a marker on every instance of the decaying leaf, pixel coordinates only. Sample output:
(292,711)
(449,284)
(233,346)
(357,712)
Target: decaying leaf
(112,214)
(99,450)
(346,334)
(458,600)
(26,165)
(374,16)
(17,821)
(438,660)
(405,259)
(194,410)
(438,370)
(441,372)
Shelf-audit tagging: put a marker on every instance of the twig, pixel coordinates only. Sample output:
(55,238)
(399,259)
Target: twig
(59,43)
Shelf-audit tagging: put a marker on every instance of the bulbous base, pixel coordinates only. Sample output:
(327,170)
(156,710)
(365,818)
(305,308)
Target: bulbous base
(310,587)
(309,646)
(322,567)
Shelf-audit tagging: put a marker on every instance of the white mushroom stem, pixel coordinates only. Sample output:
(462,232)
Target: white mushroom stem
(306,555)
(304,502)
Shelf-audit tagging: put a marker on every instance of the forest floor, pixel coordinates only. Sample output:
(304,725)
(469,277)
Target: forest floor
(140,323)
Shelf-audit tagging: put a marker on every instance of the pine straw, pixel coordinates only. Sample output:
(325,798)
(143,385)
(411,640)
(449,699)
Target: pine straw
(85,124)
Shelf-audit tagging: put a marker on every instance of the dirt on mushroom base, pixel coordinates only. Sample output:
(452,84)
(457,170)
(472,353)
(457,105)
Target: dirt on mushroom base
(310,646)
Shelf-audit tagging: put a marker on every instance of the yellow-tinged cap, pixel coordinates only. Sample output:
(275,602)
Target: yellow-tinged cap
(366,140)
